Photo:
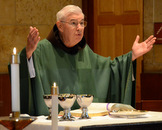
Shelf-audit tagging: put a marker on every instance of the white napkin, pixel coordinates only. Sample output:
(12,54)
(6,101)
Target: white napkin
(118,107)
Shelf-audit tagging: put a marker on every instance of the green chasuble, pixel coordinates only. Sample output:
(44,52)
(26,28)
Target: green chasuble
(82,73)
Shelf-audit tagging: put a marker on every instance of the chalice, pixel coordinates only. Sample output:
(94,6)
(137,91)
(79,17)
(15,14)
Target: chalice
(84,100)
(48,102)
(66,101)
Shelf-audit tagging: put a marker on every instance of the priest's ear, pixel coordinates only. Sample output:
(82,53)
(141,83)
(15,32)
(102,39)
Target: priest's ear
(59,26)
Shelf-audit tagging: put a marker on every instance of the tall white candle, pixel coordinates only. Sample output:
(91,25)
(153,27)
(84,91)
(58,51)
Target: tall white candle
(15,82)
(54,116)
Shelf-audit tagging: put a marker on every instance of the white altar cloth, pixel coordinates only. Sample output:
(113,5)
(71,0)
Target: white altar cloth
(42,124)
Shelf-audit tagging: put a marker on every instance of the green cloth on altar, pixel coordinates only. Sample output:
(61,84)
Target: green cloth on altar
(83,73)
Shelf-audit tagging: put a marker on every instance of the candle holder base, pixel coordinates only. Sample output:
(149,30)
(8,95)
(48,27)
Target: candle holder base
(15,115)
(16,123)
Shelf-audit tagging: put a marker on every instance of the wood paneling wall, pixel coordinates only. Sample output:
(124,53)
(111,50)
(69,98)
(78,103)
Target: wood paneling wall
(151,91)
(5,95)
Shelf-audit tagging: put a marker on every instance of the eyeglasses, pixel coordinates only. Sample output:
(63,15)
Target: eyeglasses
(75,23)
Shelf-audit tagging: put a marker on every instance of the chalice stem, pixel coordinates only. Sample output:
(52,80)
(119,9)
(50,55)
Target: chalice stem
(85,113)
(67,113)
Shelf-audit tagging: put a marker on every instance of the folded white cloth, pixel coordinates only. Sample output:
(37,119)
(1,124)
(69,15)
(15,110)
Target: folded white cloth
(118,107)
(97,106)
(110,107)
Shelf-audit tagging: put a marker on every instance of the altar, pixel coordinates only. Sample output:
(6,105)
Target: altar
(151,120)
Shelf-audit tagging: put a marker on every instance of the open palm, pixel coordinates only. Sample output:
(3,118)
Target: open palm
(32,41)
(139,49)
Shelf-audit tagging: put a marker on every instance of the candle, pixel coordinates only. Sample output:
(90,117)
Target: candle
(15,84)
(54,92)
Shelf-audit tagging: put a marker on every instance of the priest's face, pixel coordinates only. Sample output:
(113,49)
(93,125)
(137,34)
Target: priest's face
(72,29)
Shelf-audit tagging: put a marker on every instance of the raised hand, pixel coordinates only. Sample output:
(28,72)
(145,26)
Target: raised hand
(139,49)
(32,41)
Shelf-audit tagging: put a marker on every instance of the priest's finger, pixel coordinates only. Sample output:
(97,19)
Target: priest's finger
(137,39)
(149,38)
(151,42)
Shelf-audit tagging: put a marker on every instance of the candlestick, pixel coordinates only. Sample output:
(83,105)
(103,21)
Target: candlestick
(54,92)
(15,85)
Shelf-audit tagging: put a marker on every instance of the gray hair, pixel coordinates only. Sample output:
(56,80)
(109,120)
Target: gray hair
(69,9)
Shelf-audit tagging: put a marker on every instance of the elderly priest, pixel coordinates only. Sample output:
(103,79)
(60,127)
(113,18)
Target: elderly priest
(64,57)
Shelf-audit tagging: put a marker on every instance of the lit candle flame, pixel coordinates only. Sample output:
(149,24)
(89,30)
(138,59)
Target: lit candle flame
(54,84)
(14,51)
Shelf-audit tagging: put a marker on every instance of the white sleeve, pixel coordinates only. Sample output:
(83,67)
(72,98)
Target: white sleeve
(133,79)
(31,68)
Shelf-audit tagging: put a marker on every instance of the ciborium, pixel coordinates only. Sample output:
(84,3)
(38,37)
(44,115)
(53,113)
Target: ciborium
(48,102)
(66,101)
(84,100)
